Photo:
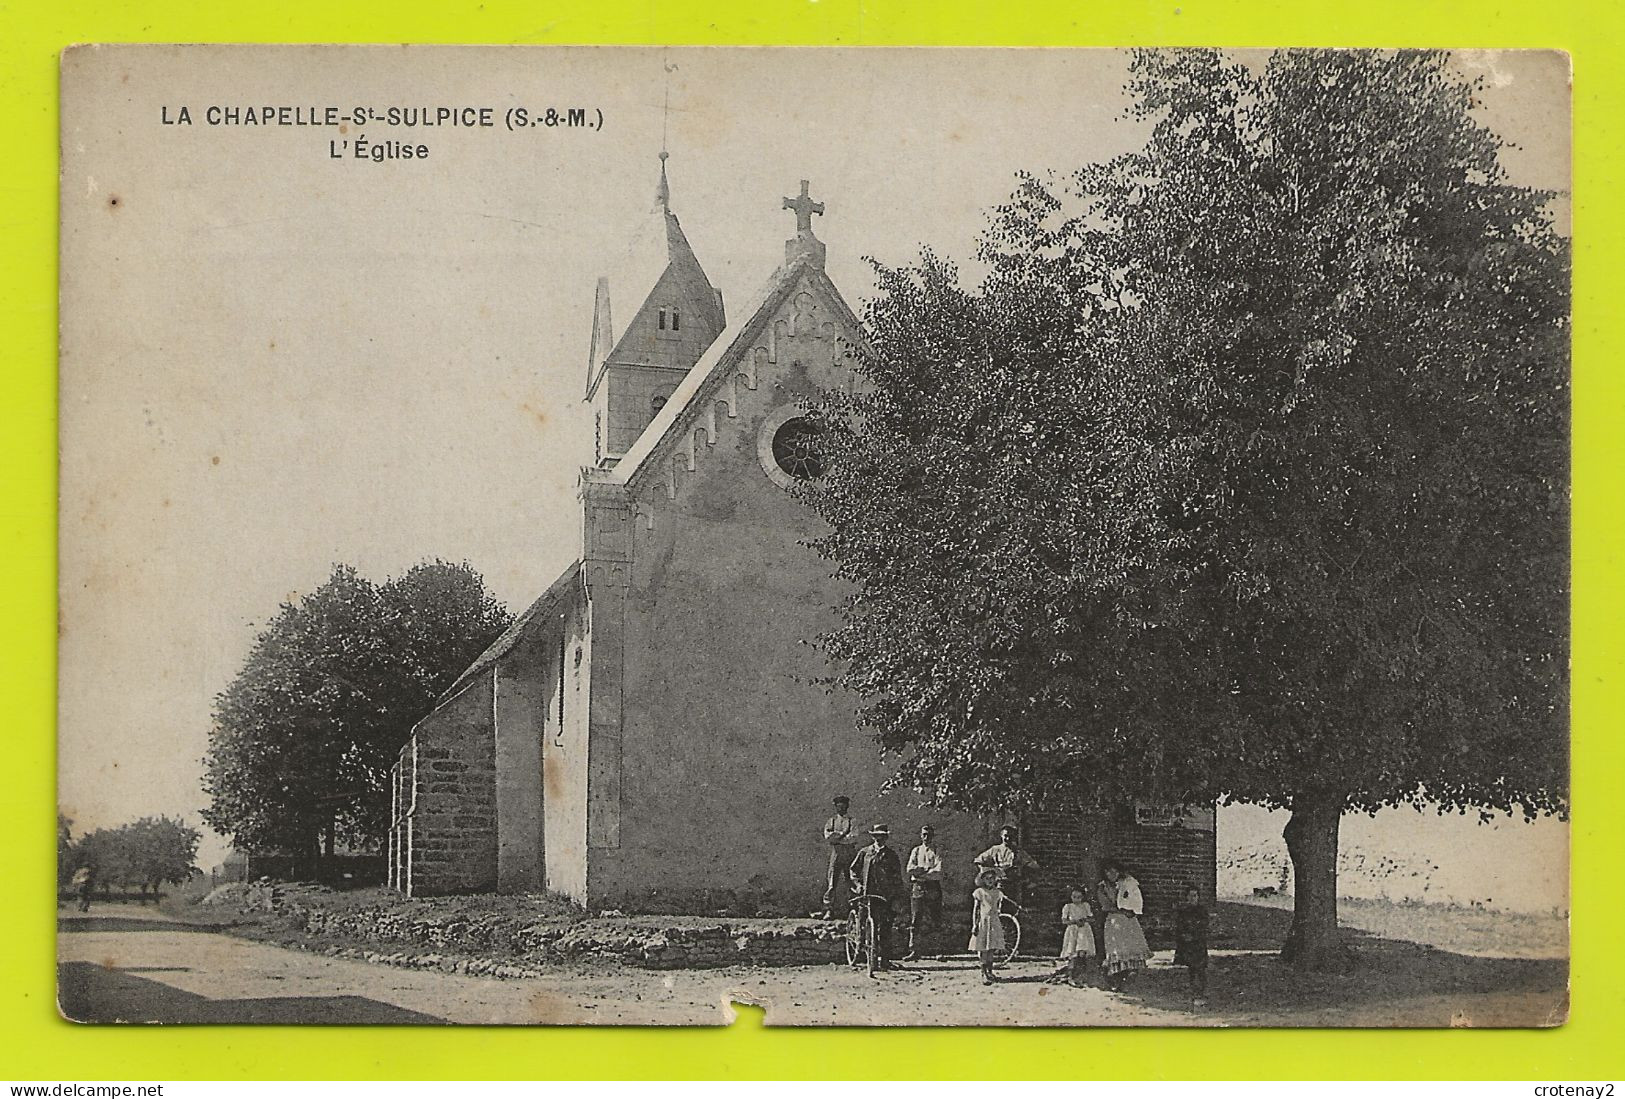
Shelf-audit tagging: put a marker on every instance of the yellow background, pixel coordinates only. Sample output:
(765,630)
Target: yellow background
(35,1045)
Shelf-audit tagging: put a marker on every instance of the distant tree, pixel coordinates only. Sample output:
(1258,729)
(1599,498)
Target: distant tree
(304,737)
(1243,475)
(160,851)
(107,852)
(65,865)
(144,854)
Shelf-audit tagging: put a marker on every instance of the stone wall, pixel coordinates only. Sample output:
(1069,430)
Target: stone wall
(1165,858)
(450,826)
(626,402)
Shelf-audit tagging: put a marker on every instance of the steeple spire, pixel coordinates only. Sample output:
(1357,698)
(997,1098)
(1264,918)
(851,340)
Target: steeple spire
(663,192)
(670,314)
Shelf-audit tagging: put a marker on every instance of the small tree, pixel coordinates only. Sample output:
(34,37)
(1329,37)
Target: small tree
(1244,474)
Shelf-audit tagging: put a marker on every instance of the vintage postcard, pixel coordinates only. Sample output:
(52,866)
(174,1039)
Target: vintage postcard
(898,537)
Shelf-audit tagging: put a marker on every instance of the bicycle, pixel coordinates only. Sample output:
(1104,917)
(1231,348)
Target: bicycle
(860,933)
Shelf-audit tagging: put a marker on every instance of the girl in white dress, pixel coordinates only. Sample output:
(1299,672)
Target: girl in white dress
(1077,937)
(986,933)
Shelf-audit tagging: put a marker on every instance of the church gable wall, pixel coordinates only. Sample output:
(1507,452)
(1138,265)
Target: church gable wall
(449,832)
(730,748)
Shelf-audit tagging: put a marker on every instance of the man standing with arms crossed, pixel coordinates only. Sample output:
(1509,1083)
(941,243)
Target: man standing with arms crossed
(924,874)
(838,837)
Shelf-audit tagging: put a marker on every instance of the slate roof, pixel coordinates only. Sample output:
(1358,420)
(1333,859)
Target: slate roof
(509,639)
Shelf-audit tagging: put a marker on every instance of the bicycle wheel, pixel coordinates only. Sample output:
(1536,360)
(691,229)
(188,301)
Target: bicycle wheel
(1012,936)
(854,937)
(871,944)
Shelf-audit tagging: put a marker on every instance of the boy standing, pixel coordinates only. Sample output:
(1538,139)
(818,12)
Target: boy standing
(1190,943)
(924,894)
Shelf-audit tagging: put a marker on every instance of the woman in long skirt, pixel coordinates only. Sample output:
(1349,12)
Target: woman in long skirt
(1126,951)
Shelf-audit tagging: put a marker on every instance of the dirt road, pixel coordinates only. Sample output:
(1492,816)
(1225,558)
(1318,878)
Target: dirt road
(133,964)
(130,963)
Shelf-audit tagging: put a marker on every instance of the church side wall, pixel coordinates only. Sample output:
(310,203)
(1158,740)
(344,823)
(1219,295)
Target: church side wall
(519,706)
(730,747)
(453,838)
(565,657)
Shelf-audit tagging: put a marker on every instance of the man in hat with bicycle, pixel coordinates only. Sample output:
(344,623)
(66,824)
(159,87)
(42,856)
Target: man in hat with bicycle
(878,875)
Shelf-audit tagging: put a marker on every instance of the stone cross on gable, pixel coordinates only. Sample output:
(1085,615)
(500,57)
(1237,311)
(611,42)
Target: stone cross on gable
(805,208)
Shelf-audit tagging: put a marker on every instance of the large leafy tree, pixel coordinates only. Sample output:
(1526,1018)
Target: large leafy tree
(304,737)
(1242,475)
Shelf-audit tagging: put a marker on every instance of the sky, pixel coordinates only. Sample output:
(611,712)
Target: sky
(274,359)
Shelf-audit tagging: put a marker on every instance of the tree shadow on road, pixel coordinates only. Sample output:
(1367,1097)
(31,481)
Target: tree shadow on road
(1239,926)
(1387,982)
(90,993)
(79,924)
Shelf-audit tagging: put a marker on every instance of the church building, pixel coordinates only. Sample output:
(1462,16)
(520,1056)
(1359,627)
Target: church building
(653,732)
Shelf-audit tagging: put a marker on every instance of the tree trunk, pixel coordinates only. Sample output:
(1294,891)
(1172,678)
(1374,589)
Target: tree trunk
(1313,943)
(310,856)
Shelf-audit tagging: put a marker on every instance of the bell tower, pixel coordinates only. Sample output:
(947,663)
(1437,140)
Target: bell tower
(631,373)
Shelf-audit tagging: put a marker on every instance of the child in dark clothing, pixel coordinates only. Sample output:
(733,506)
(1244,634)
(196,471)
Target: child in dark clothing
(1190,943)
